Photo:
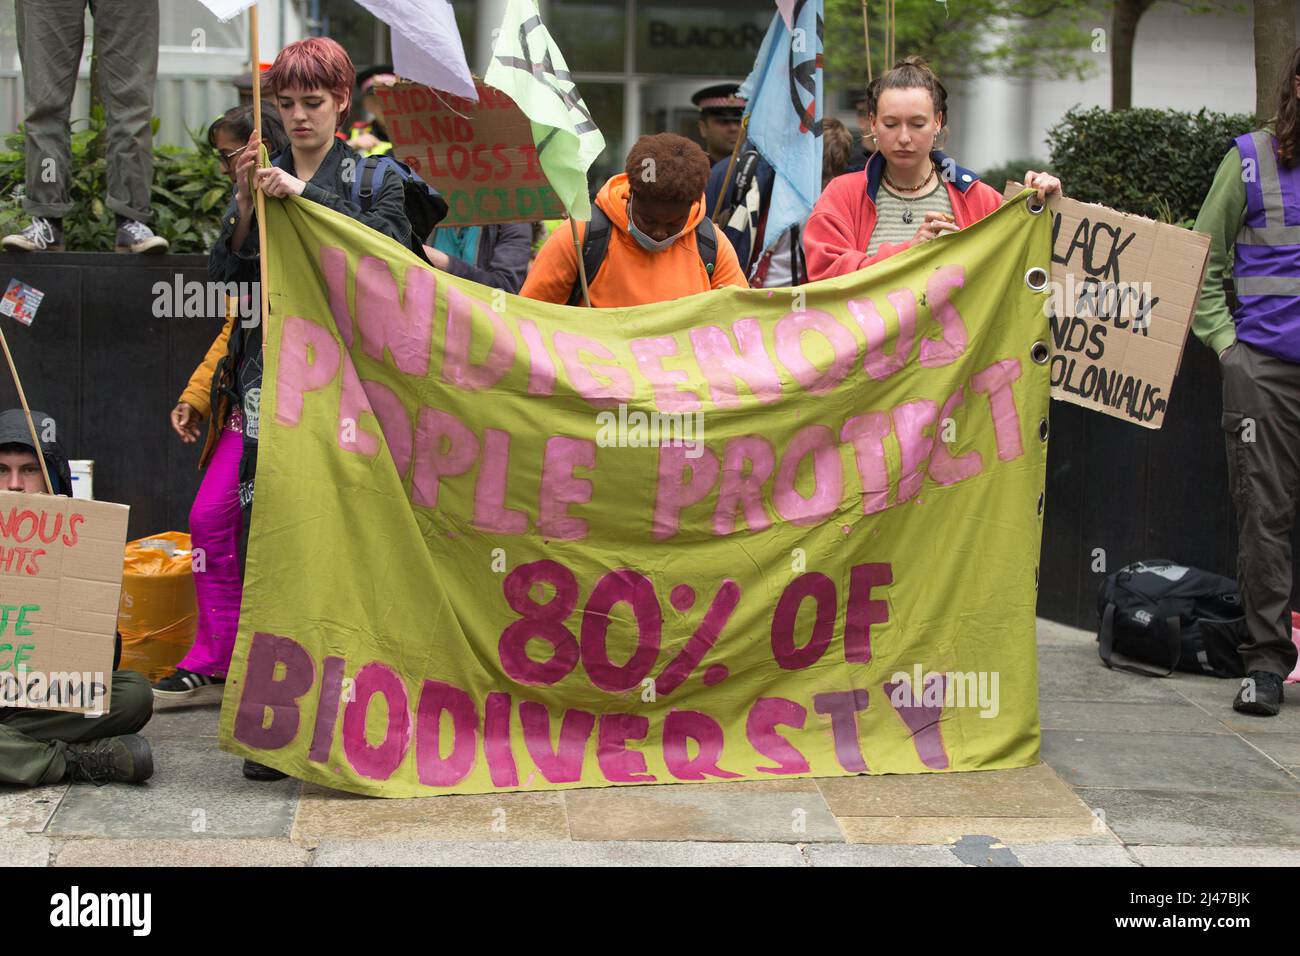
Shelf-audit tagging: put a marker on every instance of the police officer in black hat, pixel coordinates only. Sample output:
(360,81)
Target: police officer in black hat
(720,113)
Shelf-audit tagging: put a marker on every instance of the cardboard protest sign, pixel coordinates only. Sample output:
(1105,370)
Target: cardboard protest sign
(480,156)
(503,544)
(1123,292)
(60,581)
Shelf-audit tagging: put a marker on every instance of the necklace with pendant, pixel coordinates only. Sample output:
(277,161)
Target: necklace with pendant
(907,209)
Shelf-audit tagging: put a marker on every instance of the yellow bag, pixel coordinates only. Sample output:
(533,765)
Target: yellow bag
(158,614)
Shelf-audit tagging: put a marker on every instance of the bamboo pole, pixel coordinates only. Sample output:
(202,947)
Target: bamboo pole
(582,268)
(259,196)
(731,165)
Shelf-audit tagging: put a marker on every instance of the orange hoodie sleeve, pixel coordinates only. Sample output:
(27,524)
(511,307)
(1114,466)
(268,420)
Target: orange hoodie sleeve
(727,271)
(198,393)
(555,269)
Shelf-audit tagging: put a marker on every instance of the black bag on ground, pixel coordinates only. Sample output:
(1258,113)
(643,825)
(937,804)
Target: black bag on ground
(1173,617)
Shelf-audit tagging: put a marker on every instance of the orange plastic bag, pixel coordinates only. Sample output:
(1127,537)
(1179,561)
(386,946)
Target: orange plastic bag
(158,614)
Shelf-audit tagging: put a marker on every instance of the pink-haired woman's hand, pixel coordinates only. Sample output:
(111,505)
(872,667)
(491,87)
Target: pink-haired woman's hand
(278,183)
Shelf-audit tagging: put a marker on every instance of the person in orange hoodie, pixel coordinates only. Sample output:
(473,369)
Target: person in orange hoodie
(649,239)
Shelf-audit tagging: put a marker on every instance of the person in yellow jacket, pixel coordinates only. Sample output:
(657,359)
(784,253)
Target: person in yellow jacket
(368,136)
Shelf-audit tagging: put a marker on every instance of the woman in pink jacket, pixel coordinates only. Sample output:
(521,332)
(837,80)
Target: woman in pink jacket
(910,192)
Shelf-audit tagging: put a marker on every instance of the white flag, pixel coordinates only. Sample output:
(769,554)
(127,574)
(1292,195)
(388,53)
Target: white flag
(426,43)
(225,10)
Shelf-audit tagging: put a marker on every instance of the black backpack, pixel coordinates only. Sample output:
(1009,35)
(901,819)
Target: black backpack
(596,243)
(425,206)
(1171,616)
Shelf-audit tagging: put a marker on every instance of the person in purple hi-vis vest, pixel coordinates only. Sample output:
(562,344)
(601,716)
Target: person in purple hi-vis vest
(1252,214)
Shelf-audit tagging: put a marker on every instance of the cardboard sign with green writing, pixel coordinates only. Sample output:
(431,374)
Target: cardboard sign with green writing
(60,582)
(480,156)
(1123,292)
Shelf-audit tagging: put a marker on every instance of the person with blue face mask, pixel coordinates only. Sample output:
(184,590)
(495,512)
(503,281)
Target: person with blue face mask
(649,239)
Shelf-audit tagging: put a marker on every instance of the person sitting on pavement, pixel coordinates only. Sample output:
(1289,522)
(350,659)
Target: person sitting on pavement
(495,255)
(39,746)
(659,244)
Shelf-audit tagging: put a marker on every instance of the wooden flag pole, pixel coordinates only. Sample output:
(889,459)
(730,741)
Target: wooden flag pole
(731,164)
(582,268)
(31,427)
(866,40)
(259,196)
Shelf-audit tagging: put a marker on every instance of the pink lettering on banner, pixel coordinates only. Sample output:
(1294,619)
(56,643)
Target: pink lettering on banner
(723,366)
(938,293)
(377,762)
(705,636)
(944,468)
(563,764)
(789,337)
(821,589)
(432,462)
(456,366)
(921,720)
(862,610)
(433,769)
(496,740)
(539,622)
(649,355)
(842,707)
(264,694)
(621,586)
(681,726)
(490,512)
(995,381)
(867,434)
(877,363)
(541,369)
(353,401)
(766,714)
(394,421)
(617,763)
(309,360)
(402,325)
(614,390)
(828,477)
(334,265)
(747,463)
(683,481)
(327,709)
(911,419)
(560,487)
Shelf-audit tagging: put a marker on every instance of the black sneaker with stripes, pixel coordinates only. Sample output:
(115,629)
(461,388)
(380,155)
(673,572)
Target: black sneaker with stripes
(184,685)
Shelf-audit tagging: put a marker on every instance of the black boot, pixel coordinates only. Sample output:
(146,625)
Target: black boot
(125,759)
(1261,693)
(260,771)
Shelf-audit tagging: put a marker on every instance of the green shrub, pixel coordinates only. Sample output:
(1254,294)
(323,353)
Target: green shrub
(190,192)
(1013,169)
(1156,163)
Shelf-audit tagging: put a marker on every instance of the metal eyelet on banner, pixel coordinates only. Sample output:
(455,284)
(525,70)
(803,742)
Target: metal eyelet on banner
(1035,207)
(1036,279)
(1040,353)
(1042,429)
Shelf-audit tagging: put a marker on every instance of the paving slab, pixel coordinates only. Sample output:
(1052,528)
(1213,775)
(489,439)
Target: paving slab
(1215,697)
(830,854)
(1163,817)
(538,853)
(325,814)
(198,852)
(1075,673)
(196,791)
(743,811)
(29,808)
(1070,854)
(183,721)
(1080,829)
(1217,855)
(1052,634)
(1284,748)
(1019,792)
(1200,762)
(1182,717)
(18,848)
